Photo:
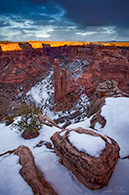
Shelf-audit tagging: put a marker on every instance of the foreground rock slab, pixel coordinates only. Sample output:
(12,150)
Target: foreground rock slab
(93,172)
(31,174)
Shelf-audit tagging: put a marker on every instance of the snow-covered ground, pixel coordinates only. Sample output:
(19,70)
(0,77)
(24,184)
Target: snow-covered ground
(11,182)
(62,180)
(116,113)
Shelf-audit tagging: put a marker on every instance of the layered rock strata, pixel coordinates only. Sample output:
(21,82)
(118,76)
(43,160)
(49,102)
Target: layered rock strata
(92,172)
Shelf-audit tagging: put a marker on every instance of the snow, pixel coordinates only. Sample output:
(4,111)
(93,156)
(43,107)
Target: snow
(116,113)
(11,182)
(43,95)
(62,180)
(62,133)
(98,126)
(89,144)
(84,124)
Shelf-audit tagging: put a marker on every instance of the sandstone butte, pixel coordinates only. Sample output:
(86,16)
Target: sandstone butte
(10,46)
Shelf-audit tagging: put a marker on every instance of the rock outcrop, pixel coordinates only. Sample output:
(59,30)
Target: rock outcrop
(92,172)
(0,51)
(47,121)
(107,89)
(31,174)
(103,90)
(25,46)
(60,81)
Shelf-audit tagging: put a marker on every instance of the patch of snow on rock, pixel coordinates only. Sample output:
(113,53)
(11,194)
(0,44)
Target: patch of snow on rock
(91,145)
(62,133)
(98,126)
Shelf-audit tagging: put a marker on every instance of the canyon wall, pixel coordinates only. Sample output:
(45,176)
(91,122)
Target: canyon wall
(10,46)
(21,69)
(105,63)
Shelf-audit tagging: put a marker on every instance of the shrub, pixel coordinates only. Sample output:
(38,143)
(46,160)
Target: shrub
(9,120)
(29,122)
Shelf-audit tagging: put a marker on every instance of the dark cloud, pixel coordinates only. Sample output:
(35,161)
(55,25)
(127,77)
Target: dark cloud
(123,32)
(73,20)
(15,7)
(95,12)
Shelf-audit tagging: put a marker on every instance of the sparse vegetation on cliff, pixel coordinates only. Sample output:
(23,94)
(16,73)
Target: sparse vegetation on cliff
(29,122)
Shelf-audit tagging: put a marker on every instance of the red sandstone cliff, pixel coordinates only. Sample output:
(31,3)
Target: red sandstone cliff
(105,63)
(25,67)
(20,69)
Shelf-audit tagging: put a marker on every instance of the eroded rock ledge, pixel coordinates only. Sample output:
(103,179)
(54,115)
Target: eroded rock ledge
(30,172)
(92,172)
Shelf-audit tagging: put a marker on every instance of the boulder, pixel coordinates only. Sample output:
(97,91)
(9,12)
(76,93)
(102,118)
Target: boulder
(94,171)
(31,174)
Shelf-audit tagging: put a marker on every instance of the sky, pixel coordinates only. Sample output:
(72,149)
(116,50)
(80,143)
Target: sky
(64,20)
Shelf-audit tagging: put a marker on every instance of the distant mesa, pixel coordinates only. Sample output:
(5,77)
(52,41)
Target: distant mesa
(46,46)
(10,46)
(25,46)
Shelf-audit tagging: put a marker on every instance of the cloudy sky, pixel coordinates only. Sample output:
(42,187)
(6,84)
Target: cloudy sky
(64,20)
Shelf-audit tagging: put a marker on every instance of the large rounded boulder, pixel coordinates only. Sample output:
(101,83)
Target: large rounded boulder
(91,156)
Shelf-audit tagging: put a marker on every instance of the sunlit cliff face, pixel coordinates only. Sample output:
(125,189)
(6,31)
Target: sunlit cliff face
(11,46)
